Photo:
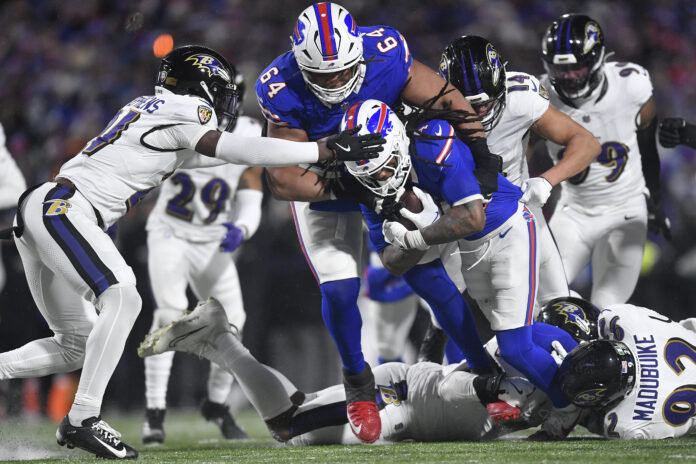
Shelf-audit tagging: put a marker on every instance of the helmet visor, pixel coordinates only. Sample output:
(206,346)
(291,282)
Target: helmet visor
(225,98)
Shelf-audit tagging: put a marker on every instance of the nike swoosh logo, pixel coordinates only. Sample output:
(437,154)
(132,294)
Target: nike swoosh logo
(502,235)
(118,453)
(628,217)
(343,148)
(173,343)
(438,132)
(517,389)
(356,430)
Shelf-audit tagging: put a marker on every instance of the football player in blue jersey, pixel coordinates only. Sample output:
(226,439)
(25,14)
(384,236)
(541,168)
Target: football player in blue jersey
(497,240)
(303,95)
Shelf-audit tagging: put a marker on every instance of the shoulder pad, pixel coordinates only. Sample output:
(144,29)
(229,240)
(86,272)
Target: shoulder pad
(186,109)
(384,40)
(277,87)
(634,78)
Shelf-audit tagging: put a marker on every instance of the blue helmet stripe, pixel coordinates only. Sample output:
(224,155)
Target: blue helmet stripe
(473,70)
(567,41)
(326,30)
(466,78)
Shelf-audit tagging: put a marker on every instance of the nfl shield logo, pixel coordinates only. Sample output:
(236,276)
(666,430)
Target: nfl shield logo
(204,114)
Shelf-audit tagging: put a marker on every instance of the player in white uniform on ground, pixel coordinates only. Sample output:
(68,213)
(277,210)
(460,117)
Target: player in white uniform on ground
(60,226)
(201,216)
(512,104)
(12,184)
(602,216)
(424,402)
(660,388)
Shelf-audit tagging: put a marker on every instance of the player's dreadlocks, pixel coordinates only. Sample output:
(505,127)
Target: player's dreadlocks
(422,114)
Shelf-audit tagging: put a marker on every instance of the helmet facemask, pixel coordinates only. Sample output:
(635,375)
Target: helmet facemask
(338,94)
(326,40)
(496,106)
(224,98)
(395,164)
(476,69)
(573,54)
(387,174)
(576,79)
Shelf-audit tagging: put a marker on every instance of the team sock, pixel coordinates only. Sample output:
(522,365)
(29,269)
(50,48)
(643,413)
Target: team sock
(339,308)
(432,283)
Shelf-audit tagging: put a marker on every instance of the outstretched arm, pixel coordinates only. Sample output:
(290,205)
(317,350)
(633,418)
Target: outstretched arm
(581,147)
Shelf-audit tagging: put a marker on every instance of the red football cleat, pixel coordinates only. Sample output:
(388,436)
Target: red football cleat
(363,417)
(501,412)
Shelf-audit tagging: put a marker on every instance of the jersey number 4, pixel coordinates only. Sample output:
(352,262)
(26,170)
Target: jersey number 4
(213,194)
(113,131)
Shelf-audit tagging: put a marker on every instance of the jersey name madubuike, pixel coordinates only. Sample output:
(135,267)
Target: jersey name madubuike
(116,169)
(192,202)
(527,101)
(610,116)
(662,403)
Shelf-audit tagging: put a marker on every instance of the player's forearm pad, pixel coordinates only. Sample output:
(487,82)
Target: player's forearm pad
(265,151)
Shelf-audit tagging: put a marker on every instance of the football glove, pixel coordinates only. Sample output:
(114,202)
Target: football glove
(536,191)
(658,222)
(430,212)
(397,235)
(350,147)
(558,353)
(671,131)
(232,239)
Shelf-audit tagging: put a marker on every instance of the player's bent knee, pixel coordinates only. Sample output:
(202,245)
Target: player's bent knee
(72,349)
(123,298)
(342,292)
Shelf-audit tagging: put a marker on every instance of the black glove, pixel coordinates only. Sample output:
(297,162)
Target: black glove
(388,208)
(671,132)
(658,222)
(350,147)
(488,166)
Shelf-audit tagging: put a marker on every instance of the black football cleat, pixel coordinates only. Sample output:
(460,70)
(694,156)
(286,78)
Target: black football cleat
(153,428)
(94,436)
(220,414)
(433,347)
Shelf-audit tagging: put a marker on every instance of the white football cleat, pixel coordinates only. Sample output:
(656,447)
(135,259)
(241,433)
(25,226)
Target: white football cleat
(194,333)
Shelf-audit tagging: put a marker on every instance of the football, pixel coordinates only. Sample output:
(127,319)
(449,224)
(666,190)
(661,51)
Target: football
(411,203)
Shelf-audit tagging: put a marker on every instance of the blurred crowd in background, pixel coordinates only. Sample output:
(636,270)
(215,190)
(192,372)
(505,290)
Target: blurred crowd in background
(67,67)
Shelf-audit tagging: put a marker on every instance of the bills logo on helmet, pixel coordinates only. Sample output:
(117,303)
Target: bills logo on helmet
(573,315)
(299,35)
(210,64)
(204,114)
(590,396)
(56,207)
(494,61)
(350,24)
(591,36)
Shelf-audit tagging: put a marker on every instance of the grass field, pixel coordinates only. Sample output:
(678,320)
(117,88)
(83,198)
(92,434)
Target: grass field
(190,439)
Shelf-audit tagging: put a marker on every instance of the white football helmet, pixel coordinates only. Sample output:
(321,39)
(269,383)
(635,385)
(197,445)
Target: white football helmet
(326,40)
(376,117)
